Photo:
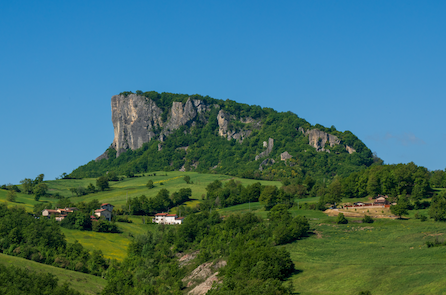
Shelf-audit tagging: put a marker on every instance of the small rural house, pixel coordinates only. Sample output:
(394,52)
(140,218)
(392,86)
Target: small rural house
(107,206)
(59,214)
(381,201)
(105,211)
(165,218)
(50,212)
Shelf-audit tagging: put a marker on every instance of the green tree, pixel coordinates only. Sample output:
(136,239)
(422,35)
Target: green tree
(437,210)
(341,219)
(11,196)
(91,189)
(40,191)
(27,185)
(187,179)
(401,208)
(102,183)
(150,184)
(268,197)
(367,219)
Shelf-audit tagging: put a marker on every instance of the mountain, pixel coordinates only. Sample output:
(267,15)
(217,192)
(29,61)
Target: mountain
(165,131)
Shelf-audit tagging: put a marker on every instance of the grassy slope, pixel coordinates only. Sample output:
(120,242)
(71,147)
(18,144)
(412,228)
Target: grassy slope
(386,257)
(114,246)
(79,281)
(390,257)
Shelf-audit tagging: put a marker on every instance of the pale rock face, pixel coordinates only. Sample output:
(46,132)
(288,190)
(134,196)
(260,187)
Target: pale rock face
(133,119)
(223,130)
(285,156)
(318,139)
(268,150)
(350,150)
(136,118)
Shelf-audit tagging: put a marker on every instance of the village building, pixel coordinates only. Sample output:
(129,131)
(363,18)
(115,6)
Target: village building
(50,212)
(381,201)
(107,206)
(103,213)
(165,218)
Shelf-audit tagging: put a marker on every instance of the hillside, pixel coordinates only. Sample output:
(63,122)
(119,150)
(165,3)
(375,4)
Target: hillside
(172,132)
(80,282)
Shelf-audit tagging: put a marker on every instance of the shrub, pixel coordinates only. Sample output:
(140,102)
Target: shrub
(367,219)
(341,219)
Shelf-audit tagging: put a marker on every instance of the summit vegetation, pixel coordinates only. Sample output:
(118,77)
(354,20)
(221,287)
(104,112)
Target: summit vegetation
(209,152)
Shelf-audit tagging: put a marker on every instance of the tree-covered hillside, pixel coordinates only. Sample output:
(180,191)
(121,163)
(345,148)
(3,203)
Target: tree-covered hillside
(199,145)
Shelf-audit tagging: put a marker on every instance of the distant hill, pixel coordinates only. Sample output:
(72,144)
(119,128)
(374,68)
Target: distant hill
(166,131)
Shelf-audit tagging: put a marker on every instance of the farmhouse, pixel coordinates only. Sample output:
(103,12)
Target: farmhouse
(103,213)
(60,213)
(381,201)
(165,218)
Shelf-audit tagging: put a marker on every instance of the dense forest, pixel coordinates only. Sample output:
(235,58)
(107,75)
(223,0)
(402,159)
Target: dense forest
(208,152)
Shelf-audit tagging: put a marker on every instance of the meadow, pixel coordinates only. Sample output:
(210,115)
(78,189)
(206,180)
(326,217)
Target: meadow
(81,282)
(385,257)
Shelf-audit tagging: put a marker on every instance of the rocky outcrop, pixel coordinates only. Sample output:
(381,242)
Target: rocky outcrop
(137,120)
(134,119)
(268,150)
(266,162)
(223,119)
(350,150)
(207,272)
(285,156)
(318,139)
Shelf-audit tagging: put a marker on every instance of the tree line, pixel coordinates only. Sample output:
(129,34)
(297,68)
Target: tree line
(247,242)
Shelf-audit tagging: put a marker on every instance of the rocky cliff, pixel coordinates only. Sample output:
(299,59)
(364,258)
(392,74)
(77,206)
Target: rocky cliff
(318,139)
(137,120)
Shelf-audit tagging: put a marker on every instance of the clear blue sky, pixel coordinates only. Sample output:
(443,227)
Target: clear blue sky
(376,68)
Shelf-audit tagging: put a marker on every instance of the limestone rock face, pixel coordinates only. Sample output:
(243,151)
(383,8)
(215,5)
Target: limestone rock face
(318,139)
(268,150)
(137,120)
(350,150)
(134,119)
(285,156)
(223,119)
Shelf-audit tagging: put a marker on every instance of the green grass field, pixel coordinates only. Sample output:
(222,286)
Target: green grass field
(386,257)
(81,282)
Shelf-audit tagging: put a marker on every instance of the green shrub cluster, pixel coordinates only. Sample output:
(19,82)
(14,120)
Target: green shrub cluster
(41,240)
(245,241)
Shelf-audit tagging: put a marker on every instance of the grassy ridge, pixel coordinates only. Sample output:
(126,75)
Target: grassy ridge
(81,282)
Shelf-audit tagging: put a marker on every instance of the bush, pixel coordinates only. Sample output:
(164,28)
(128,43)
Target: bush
(341,219)
(367,219)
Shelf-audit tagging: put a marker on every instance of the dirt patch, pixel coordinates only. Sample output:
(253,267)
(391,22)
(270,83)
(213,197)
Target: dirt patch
(432,235)
(318,234)
(360,213)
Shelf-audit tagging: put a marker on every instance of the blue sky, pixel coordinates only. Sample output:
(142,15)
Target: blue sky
(376,68)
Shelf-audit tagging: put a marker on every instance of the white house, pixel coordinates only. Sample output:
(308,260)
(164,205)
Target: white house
(165,218)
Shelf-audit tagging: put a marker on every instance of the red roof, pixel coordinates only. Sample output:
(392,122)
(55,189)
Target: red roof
(170,215)
(179,218)
(160,214)
(92,217)
(51,211)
